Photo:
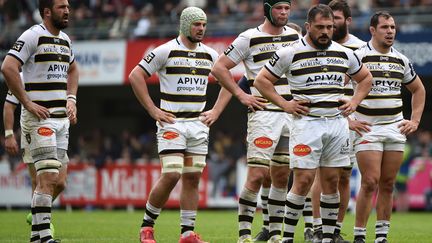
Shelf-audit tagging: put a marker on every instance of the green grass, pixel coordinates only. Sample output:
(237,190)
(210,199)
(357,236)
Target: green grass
(214,226)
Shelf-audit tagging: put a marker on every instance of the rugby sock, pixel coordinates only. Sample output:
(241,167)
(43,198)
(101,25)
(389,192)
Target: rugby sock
(42,215)
(276,207)
(338,228)
(307,214)
(264,202)
(246,211)
(150,215)
(317,224)
(187,220)
(329,208)
(34,236)
(359,233)
(381,230)
(294,207)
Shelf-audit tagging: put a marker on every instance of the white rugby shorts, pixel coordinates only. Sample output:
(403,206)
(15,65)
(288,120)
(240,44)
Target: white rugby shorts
(385,137)
(191,136)
(321,142)
(265,128)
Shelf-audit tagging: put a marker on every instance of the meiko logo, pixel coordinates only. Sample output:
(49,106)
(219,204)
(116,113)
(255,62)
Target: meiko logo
(45,131)
(364,142)
(170,135)
(263,142)
(301,150)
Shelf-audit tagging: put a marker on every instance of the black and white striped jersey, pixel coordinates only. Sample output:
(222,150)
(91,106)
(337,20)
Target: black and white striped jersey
(383,105)
(316,75)
(45,59)
(183,76)
(254,48)
(352,43)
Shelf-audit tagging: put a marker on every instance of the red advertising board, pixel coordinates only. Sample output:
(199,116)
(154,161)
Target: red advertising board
(119,185)
(138,49)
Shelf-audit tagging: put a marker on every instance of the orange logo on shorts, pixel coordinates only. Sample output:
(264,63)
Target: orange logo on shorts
(263,142)
(45,131)
(302,150)
(364,142)
(170,135)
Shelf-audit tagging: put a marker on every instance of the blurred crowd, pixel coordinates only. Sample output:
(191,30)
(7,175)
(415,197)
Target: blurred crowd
(103,19)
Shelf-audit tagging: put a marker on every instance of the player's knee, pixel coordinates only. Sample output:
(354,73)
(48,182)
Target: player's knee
(172,164)
(191,179)
(198,164)
(344,179)
(60,186)
(387,186)
(369,184)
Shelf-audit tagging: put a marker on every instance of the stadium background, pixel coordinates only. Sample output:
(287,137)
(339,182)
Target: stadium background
(112,149)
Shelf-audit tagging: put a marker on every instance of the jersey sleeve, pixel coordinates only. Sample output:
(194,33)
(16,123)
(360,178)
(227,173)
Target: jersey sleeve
(354,62)
(239,49)
(409,73)
(24,47)
(155,60)
(280,62)
(11,98)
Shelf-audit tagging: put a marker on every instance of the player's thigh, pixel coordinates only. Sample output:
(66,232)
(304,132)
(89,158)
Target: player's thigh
(392,160)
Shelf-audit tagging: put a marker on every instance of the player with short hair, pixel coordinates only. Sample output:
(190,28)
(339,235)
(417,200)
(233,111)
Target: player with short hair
(315,67)
(268,127)
(183,65)
(50,76)
(341,35)
(380,151)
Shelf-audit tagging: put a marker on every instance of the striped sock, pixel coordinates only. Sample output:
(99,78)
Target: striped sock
(317,224)
(150,215)
(246,211)
(307,214)
(381,230)
(187,220)
(264,202)
(42,215)
(338,228)
(276,206)
(329,208)
(294,207)
(359,233)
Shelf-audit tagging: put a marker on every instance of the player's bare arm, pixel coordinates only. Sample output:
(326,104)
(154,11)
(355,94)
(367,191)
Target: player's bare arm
(264,83)
(11,144)
(417,105)
(221,70)
(363,78)
(138,79)
(72,88)
(10,69)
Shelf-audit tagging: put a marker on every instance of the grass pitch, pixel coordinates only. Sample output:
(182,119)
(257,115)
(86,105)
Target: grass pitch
(213,226)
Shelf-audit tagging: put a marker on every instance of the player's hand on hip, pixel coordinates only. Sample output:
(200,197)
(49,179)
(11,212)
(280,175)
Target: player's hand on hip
(348,107)
(38,110)
(252,102)
(209,117)
(11,145)
(359,127)
(297,107)
(407,127)
(162,116)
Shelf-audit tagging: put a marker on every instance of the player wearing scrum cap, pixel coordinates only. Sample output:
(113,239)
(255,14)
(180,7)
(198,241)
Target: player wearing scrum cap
(268,127)
(183,65)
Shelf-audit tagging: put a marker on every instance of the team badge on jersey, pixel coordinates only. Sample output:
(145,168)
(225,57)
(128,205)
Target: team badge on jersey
(18,45)
(229,49)
(170,135)
(149,57)
(274,59)
(263,142)
(302,150)
(45,131)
